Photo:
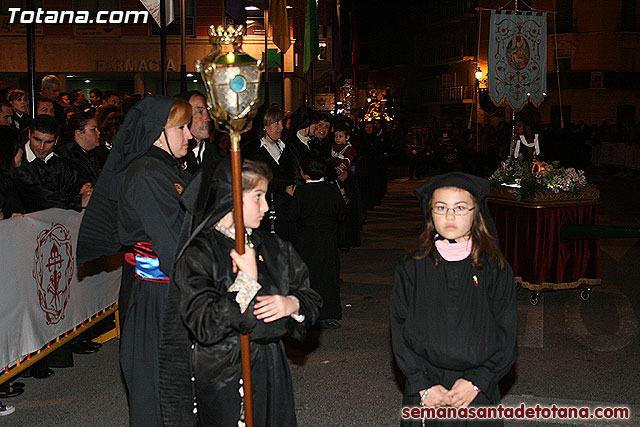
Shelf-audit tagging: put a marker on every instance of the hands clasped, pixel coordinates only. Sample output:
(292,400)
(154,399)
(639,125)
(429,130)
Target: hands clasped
(460,396)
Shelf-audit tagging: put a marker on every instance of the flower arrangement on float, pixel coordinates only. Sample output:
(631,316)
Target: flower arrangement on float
(535,180)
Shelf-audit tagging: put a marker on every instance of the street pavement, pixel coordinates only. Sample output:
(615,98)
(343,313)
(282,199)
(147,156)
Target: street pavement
(571,352)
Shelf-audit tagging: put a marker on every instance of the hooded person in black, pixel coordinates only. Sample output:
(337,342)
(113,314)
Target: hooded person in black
(453,307)
(200,349)
(136,205)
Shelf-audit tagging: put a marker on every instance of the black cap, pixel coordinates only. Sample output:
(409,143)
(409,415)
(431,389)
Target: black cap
(478,187)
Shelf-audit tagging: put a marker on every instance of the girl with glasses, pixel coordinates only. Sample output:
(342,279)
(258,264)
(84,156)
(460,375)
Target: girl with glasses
(453,306)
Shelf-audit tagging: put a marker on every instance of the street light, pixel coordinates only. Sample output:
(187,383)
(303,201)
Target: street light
(478,74)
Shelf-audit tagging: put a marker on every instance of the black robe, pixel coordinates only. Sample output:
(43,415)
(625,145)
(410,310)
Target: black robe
(10,202)
(87,164)
(283,176)
(212,154)
(212,316)
(315,147)
(53,184)
(316,210)
(364,169)
(135,200)
(148,210)
(20,121)
(444,327)
(344,159)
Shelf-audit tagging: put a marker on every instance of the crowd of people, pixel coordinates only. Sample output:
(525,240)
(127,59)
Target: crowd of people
(324,175)
(163,196)
(154,180)
(430,149)
(52,160)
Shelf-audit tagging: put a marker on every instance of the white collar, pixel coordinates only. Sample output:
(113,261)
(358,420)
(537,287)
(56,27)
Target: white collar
(312,181)
(31,156)
(198,151)
(278,143)
(304,139)
(230,232)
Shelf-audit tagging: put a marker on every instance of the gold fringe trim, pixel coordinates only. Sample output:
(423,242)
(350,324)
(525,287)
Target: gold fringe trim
(28,360)
(548,286)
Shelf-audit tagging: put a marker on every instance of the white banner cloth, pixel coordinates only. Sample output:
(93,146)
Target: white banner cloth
(153,6)
(43,294)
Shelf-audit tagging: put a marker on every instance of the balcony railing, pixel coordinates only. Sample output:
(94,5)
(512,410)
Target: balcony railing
(443,11)
(449,94)
(440,53)
(444,53)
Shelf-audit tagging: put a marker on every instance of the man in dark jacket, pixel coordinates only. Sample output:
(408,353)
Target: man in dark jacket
(202,149)
(46,180)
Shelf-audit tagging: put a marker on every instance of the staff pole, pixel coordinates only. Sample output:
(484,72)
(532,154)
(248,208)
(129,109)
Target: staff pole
(245,343)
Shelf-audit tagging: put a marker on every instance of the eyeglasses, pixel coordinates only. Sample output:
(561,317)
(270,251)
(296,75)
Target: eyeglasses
(457,211)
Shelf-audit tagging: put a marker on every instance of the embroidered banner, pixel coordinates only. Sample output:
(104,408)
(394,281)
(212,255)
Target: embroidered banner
(43,293)
(517,58)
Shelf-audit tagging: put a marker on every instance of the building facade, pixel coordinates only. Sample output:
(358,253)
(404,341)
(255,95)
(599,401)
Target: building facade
(593,71)
(126,56)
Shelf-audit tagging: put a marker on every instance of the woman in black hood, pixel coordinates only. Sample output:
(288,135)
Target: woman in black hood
(212,285)
(136,205)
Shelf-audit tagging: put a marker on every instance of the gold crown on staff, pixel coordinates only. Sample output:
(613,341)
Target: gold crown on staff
(231,79)
(230,35)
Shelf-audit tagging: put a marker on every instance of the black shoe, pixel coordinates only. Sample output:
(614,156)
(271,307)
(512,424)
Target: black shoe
(83,347)
(94,344)
(329,324)
(42,373)
(13,391)
(344,248)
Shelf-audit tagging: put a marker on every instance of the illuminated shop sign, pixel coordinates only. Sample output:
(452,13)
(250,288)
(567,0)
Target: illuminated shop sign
(132,65)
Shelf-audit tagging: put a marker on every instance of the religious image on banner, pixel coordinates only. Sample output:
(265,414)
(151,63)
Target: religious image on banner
(53,267)
(517,58)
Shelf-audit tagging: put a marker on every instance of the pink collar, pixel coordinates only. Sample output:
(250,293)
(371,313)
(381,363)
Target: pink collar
(454,251)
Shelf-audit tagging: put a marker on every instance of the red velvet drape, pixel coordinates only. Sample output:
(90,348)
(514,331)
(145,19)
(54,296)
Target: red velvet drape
(530,240)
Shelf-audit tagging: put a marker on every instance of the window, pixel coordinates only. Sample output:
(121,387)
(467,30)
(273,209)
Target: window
(94,6)
(175,27)
(564,65)
(564,18)
(628,15)
(189,7)
(626,114)
(20,4)
(627,59)
(555,115)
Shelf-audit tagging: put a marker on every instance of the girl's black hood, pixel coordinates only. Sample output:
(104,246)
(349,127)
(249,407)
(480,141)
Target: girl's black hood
(219,201)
